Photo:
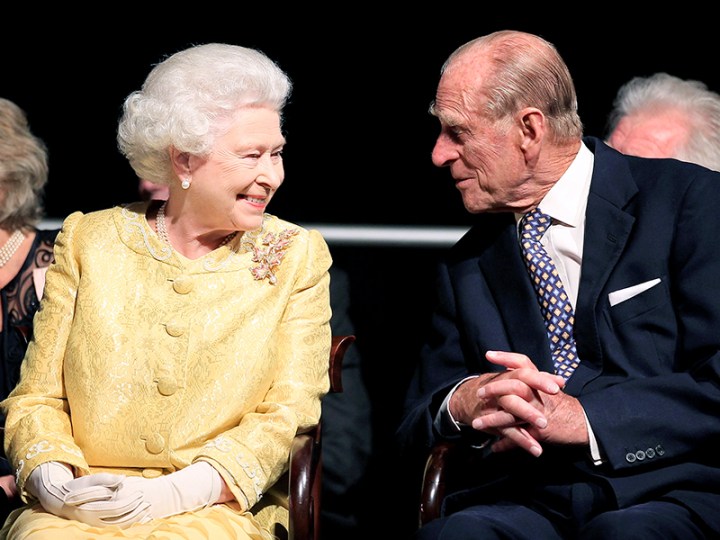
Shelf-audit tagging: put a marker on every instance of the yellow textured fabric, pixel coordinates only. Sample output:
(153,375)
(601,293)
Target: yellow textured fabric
(164,360)
(217,522)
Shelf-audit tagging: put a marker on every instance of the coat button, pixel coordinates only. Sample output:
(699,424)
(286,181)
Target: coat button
(650,453)
(640,455)
(183,284)
(167,386)
(660,450)
(155,443)
(630,457)
(175,329)
(151,473)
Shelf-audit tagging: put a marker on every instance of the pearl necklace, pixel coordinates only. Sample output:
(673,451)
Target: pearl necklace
(162,229)
(10,247)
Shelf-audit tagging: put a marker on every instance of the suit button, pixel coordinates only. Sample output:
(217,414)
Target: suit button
(640,455)
(175,329)
(151,473)
(630,457)
(660,450)
(155,443)
(650,453)
(182,284)
(167,386)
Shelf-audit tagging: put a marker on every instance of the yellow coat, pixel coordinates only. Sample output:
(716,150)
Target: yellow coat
(144,361)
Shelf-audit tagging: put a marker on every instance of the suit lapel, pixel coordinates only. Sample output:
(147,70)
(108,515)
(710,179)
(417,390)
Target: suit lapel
(501,264)
(607,229)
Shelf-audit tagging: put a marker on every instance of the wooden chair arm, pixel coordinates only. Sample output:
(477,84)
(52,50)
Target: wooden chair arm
(434,481)
(305,466)
(450,466)
(339,345)
(305,475)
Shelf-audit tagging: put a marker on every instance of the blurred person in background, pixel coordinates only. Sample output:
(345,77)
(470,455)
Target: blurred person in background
(25,254)
(150,190)
(663,116)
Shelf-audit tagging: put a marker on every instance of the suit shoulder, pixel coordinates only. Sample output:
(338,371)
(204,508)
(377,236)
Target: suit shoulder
(485,231)
(671,171)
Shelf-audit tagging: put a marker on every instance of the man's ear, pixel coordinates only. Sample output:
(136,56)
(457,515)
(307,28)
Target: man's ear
(532,127)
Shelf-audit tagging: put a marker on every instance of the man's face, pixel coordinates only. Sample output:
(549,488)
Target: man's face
(656,134)
(483,155)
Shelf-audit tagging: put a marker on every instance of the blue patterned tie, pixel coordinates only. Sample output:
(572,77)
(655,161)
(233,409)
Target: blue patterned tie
(554,302)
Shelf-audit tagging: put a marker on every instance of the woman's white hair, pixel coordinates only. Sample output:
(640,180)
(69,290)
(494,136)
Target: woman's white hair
(188,99)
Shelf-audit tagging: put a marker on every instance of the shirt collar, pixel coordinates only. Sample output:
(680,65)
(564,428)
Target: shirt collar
(567,199)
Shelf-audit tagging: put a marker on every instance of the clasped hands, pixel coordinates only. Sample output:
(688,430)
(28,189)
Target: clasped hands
(521,406)
(104,499)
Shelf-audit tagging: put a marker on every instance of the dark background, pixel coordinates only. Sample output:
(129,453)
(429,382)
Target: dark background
(359,141)
(359,136)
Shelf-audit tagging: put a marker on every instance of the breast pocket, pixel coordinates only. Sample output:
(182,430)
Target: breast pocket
(641,303)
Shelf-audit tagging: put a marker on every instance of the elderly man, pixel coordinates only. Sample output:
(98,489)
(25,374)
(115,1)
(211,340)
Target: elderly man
(576,340)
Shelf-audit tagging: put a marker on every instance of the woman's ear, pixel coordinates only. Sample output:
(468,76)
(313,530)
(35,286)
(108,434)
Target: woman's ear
(180,162)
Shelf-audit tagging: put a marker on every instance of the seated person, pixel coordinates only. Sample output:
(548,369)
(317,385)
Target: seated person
(575,344)
(180,344)
(25,254)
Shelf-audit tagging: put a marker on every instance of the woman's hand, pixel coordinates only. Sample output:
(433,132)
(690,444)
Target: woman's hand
(89,499)
(194,487)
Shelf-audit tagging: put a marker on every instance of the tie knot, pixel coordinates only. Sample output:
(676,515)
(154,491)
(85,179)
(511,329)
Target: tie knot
(534,224)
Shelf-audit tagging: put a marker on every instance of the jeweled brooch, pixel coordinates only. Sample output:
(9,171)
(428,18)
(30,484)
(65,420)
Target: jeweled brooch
(269,254)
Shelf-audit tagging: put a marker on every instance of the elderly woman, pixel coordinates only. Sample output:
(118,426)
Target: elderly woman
(25,254)
(181,344)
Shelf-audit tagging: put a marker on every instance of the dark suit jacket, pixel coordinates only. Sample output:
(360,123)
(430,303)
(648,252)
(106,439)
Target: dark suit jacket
(649,377)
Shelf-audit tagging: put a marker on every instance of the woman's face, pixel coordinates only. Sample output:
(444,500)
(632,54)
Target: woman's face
(235,182)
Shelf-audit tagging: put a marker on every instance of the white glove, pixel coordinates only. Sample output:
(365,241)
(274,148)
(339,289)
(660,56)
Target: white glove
(194,487)
(89,499)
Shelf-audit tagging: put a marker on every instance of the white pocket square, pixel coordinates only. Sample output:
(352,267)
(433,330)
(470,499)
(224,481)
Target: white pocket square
(616,297)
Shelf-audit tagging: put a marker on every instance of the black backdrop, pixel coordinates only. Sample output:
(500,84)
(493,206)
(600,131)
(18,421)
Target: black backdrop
(358,131)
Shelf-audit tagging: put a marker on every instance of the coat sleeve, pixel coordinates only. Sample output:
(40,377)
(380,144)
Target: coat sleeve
(38,428)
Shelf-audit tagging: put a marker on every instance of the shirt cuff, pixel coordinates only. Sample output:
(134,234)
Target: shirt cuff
(595,455)
(449,428)
(444,422)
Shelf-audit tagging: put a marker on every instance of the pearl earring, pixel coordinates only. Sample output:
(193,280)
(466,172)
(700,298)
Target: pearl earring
(185,183)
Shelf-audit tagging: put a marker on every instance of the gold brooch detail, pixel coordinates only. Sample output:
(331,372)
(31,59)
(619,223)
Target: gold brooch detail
(270,253)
